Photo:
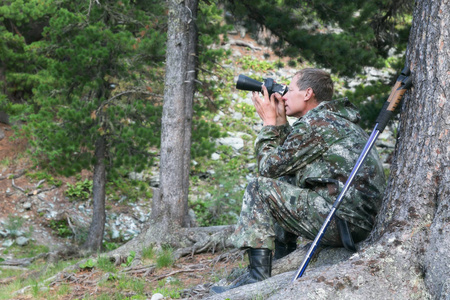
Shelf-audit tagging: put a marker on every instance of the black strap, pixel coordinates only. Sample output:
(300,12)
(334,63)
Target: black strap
(346,236)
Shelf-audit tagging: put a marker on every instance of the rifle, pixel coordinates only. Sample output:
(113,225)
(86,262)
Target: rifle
(403,83)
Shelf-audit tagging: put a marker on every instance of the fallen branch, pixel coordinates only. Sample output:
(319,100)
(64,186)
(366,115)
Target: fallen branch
(14,268)
(14,176)
(137,270)
(244,44)
(21,262)
(175,272)
(38,191)
(7,280)
(17,187)
(228,256)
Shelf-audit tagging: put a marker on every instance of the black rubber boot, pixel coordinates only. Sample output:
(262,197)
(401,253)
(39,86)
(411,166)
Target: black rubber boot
(283,249)
(260,268)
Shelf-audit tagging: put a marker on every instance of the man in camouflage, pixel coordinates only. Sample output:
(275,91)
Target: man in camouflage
(302,169)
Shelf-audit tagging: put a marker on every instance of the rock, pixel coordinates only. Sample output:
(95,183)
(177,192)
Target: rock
(44,289)
(22,241)
(237,116)
(136,176)
(154,181)
(27,205)
(115,234)
(215,156)
(236,143)
(7,243)
(2,134)
(157,296)
(251,166)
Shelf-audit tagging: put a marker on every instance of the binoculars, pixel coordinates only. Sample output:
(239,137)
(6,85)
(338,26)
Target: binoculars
(248,84)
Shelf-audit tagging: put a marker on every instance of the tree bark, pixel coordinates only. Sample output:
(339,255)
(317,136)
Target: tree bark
(407,255)
(97,227)
(191,76)
(169,207)
(423,170)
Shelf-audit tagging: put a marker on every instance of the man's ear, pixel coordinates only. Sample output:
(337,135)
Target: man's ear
(309,94)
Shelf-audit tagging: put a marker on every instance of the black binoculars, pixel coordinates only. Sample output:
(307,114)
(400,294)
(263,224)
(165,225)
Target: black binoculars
(248,84)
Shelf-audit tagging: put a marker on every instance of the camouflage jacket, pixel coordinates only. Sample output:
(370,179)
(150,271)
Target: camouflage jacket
(319,152)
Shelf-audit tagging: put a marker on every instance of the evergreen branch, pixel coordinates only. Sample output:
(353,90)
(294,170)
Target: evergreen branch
(104,103)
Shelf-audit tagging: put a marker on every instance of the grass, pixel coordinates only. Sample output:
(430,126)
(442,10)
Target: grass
(148,252)
(34,277)
(164,258)
(14,224)
(105,264)
(5,162)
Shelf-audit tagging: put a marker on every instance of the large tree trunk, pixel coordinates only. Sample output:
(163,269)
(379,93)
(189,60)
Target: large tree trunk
(408,253)
(169,206)
(423,167)
(170,203)
(191,76)
(97,227)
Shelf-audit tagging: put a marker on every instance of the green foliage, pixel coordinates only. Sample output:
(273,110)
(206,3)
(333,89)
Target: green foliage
(121,188)
(165,258)
(341,35)
(64,289)
(42,175)
(61,227)
(369,99)
(88,264)
(5,162)
(129,260)
(19,48)
(168,292)
(148,252)
(105,264)
(225,190)
(130,283)
(81,190)
(256,65)
(14,224)
(30,250)
(35,289)
(78,53)
(41,271)
(109,246)
(204,132)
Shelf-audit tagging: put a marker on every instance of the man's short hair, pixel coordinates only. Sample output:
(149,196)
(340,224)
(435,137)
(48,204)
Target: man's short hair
(317,79)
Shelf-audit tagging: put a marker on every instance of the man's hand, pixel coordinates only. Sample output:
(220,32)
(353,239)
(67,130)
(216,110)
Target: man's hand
(271,111)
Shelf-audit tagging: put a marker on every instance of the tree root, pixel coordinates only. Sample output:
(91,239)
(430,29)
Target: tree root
(193,268)
(14,176)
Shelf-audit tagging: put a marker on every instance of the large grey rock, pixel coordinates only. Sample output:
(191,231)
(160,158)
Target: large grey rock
(236,143)
(22,241)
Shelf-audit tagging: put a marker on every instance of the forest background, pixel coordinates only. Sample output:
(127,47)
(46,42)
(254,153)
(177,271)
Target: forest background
(84,85)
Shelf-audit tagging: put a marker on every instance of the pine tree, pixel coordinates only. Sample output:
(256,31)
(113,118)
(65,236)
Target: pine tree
(95,108)
(343,36)
(21,26)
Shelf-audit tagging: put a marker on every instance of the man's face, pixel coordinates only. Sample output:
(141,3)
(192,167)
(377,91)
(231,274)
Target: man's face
(294,100)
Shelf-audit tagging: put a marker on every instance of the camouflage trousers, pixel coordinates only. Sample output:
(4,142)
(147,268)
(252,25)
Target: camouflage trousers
(268,203)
